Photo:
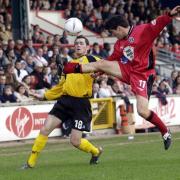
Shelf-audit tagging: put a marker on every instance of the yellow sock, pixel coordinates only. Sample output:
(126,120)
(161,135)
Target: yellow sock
(38,146)
(86,146)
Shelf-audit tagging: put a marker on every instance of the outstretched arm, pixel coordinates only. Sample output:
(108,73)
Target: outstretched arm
(158,24)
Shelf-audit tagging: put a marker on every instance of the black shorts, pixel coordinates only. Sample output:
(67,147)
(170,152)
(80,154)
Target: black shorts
(78,110)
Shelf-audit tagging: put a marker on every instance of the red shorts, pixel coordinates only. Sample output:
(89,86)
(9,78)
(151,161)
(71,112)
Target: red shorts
(141,82)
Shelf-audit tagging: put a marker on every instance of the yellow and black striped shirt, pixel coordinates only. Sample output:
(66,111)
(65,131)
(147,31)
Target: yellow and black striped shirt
(76,85)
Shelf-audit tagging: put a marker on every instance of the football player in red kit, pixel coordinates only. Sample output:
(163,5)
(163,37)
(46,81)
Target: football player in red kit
(132,62)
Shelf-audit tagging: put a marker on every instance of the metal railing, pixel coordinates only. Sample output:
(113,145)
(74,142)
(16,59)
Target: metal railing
(167,61)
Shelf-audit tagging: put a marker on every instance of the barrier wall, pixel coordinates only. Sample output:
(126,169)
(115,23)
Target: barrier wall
(169,114)
(18,122)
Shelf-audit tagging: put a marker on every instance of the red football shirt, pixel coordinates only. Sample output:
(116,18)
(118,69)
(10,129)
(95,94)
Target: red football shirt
(134,52)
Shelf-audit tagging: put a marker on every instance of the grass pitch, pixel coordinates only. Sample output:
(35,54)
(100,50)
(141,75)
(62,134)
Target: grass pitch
(143,158)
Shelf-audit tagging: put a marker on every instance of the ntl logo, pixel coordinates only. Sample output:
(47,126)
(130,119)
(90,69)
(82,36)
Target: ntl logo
(20,122)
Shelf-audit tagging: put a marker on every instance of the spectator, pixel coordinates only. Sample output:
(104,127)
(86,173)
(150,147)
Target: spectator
(105,12)
(11,45)
(26,82)
(37,75)
(24,55)
(176,82)
(55,50)
(46,52)
(63,39)
(21,94)
(53,76)
(57,40)
(23,65)
(2,83)
(67,13)
(105,52)
(118,89)
(38,58)
(30,48)
(1,71)
(159,94)
(11,77)
(177,90)
(4,46)
(98,12)
(46,72)
(164,87)
(95,93)
(172,80)
(50,40)
(176,50)
(4,35)
(3,59)
(64,54)
(37,37)
(105,90)
(8,95)
(54,53)
(30,64)
(19,72)
(137,12)
(96,50)
(128,90)
(1,20)
(99,26)
(154,89)
(18,48)
(11,56)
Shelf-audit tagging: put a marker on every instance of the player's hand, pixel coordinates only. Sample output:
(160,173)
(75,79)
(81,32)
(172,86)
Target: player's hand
(35,95)
(175,11)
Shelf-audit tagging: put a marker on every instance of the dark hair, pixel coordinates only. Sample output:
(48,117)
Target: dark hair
(95,44)
(18,87)
(115,21)
(82,37)
(24,78)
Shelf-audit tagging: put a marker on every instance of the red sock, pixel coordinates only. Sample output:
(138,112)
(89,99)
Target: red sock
(154,119)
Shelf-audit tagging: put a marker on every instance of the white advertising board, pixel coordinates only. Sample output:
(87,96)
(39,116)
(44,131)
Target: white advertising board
(169,113)
(23,122)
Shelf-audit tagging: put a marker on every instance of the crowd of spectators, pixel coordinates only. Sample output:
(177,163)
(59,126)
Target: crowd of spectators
(27,70)
(93,14)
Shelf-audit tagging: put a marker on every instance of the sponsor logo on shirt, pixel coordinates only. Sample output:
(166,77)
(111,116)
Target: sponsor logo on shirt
(131,39)
(128,54)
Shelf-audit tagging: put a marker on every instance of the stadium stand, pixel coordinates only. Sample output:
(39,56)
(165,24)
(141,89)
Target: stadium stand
(35,57)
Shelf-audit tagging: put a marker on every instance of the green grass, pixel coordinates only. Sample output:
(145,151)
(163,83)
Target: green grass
(141,159)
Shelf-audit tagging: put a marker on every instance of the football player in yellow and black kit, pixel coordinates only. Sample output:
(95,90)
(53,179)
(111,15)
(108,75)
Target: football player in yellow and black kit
(74,91)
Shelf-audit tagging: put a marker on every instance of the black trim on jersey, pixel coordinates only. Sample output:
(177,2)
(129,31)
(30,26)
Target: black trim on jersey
(78,57)
(150,82)
(91,58)
(130,31)
(150,60)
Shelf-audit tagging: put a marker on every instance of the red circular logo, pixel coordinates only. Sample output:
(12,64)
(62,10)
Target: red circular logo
(21,122)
